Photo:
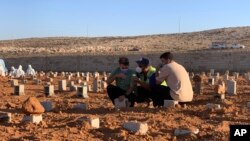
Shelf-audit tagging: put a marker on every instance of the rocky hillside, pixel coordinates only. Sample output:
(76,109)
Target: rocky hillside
(101,45)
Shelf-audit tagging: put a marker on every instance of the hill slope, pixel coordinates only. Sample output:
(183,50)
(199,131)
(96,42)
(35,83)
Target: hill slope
(102,45)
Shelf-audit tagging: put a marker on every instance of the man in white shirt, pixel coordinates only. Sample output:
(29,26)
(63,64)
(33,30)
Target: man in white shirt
(179,85)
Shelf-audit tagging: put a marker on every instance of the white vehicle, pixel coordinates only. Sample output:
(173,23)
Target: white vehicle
(218,45)
(236,46)
(222,45)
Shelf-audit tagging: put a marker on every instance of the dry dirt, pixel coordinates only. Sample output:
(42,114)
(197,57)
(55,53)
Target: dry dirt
(117,45)
(62,123)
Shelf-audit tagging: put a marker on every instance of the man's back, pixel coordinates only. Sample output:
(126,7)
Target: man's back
(178,80)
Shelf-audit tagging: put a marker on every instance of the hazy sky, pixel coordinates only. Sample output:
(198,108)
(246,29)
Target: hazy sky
(46,18)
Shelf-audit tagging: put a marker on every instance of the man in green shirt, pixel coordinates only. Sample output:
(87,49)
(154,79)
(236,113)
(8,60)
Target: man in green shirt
(123,77)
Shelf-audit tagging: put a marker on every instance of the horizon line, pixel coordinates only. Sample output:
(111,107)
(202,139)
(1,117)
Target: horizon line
(123,36)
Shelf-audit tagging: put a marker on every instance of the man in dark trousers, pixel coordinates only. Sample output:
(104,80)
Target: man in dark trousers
(144,72)
(123,77)
(179,85)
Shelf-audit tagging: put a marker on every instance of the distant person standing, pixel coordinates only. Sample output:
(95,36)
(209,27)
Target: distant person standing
(179,85)
(123,77)
(3,69)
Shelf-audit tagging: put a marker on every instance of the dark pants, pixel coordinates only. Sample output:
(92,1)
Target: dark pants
(114,92)
(160,93)
(143,95)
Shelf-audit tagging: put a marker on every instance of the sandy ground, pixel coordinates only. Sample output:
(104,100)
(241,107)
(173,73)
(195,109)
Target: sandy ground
(62,123)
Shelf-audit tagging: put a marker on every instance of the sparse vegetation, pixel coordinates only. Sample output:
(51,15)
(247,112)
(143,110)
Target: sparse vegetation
(101,45)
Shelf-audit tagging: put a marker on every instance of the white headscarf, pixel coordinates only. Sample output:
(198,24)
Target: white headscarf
(13,71)
(20,72)
(3,69)
(30,71)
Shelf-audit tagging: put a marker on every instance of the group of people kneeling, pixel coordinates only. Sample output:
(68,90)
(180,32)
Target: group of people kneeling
(168,81)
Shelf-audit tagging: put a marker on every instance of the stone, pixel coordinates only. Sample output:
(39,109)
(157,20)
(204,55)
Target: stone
(41,74)
(210,105)
(49,90)
(63,74)
(97,87)
(213,106)
(212,71)
(82,91)
(104,85)
(217,74)
(5,117)
(34,118)
(71,83)
(236,75)
(24,81)
(226,77)
(47,105)
(78,81)
(62,85)
(216,79)
(19,90)
(209,74)
(82,74)
(136,127)
(121,104)
(217,106)
(203,74)
(170,103)
(178,132)
(94,122)
(248,104)
(104,73)
(32,106)
(54,75)
(87,78)
(105,78)
(51,80)
(109,74)
(81,106)
(231,87)
(84,83)
(47,83)
(220,96)
(14,82)
(96,75)
(38,81)
(90,88)
(69,77)
(77,74)
(211,81)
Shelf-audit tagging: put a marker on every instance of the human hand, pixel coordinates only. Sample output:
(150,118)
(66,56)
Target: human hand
(136,79)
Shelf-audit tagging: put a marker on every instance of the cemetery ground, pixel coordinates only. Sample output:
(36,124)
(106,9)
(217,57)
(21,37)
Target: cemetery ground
(63,121)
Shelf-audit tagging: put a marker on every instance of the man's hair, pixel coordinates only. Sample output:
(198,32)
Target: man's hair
(167,55)
(124,61)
